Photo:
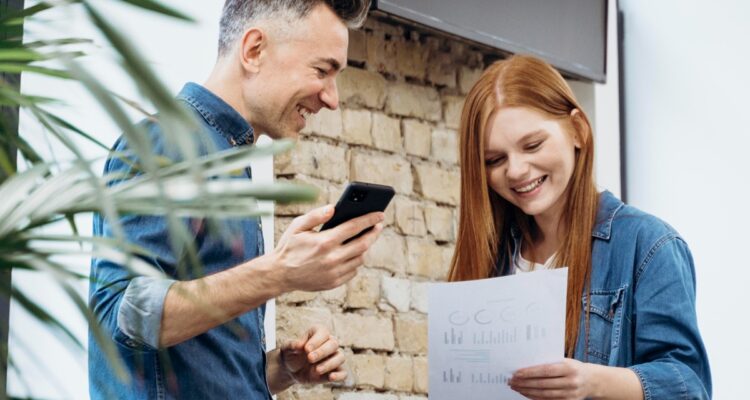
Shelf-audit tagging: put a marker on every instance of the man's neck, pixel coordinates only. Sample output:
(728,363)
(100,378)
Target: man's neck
(223,83)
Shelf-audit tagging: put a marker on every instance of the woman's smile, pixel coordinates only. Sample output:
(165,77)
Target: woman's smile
(531,188)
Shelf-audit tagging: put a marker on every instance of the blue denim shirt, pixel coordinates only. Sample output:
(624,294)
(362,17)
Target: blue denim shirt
(225,362)
(642,303)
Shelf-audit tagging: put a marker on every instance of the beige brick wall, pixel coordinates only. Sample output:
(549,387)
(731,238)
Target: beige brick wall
(401,100)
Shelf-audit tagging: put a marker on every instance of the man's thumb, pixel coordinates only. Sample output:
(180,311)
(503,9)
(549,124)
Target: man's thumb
(313,218)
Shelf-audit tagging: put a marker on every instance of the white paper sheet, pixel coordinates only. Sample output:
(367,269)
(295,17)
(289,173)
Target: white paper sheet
(481,331)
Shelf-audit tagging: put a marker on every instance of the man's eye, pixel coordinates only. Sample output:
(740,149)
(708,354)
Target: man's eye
(321,72)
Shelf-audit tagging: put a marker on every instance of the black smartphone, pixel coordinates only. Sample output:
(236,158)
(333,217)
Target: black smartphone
(359,198)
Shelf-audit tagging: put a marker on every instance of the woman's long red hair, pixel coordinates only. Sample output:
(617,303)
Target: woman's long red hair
(485,218)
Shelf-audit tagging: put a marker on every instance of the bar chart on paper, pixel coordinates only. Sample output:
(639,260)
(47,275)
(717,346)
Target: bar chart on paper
(480,332)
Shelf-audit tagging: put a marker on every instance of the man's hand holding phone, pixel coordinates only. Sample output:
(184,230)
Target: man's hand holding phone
(313,260)
(316,261)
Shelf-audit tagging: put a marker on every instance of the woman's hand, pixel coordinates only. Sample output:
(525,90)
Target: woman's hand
(566,380)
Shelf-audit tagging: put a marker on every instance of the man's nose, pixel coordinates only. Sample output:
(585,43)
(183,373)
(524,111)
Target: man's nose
(330,95)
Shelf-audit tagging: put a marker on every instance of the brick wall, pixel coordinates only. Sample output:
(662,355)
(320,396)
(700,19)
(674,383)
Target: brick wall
(401,100)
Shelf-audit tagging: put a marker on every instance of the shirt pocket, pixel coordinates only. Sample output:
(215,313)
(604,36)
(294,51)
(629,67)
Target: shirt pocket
(605,323)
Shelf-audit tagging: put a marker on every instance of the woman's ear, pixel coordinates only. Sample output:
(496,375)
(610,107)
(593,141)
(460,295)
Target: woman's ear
(581,128)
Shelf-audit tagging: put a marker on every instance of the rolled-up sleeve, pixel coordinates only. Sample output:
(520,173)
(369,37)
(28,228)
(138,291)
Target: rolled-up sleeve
(140,311)
(129,306)
(670,358)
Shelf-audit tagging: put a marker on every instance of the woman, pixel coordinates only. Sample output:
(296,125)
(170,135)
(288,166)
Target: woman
(528,201)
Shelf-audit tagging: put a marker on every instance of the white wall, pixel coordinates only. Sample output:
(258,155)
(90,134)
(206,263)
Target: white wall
(179,52)
(601,103)
(686,75)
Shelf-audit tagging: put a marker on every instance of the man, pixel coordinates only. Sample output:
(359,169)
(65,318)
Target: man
(201,335)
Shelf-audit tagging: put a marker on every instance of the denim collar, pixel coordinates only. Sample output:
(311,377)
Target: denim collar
(217,113)
(609,205)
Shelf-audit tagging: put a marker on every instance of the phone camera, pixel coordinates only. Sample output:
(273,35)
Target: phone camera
(357,196)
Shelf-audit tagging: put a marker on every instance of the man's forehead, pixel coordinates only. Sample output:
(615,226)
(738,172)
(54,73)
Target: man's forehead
(326,47)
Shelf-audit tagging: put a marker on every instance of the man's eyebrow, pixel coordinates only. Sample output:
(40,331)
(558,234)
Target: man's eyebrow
(334,63)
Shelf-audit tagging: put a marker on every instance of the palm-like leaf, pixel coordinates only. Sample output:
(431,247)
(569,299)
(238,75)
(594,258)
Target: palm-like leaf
(48,192)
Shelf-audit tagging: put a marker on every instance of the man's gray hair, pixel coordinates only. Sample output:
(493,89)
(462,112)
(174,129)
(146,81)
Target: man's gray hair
(238,15)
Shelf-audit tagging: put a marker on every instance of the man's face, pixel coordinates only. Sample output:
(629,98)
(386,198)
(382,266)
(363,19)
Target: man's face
(297,75)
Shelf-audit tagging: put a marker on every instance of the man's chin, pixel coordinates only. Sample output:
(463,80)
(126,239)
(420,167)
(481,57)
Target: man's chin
(284,134)
(292,135)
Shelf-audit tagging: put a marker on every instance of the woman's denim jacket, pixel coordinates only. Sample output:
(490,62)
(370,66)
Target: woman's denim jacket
(642,303)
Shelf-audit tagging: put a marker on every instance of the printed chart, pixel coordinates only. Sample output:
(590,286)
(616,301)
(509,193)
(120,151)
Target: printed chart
(481,331)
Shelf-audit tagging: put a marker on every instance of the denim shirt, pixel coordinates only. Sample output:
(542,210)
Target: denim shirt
(225,362)
(642,303)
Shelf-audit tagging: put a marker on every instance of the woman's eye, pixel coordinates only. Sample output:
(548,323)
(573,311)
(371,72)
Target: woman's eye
(534,146)
(492,162)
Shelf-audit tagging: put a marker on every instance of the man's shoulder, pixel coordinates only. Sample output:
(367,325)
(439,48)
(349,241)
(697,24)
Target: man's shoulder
(143,139)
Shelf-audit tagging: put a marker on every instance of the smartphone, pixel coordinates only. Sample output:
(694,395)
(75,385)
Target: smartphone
(359,198)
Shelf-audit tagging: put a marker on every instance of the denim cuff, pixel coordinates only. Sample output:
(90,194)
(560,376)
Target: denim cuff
(139,316)
(662,380)
(644,382)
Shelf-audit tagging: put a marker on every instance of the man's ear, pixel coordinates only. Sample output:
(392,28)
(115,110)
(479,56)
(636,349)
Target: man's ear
(581,128)
(253,44)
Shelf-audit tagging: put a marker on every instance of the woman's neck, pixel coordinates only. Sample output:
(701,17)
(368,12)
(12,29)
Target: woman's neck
(546,239)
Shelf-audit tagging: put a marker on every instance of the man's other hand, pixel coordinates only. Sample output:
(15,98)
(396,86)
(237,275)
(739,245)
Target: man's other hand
(314,358)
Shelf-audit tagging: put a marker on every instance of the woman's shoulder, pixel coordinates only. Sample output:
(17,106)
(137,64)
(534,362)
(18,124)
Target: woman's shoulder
(628,222)
(646,240)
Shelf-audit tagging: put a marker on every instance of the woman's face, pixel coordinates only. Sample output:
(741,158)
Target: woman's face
(529,157)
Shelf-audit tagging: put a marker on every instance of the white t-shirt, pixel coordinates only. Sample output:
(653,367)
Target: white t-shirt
(524,265)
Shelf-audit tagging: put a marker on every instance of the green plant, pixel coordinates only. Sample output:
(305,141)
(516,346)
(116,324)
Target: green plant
(48,191)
